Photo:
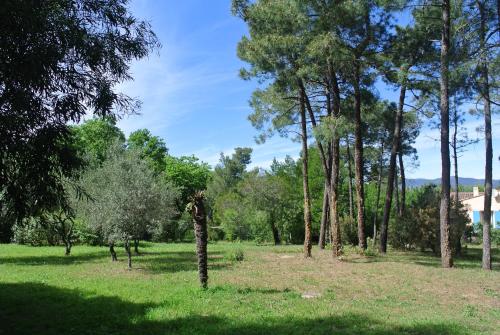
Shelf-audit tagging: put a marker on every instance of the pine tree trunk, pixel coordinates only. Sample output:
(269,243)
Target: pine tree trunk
(201,234)
(392,165)
(305,180)
(379,185)
(112,252)
(402,205)
(335,172)
(485,93)
(334,213)
(446,257)
(129,253)
(136,246)
(396,192)
(325,218)
(358,160)
(349,184)
(458,246)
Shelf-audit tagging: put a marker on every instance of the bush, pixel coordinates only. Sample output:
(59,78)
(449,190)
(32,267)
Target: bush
(32,232)
(259,225)
(495,237)
(235,255)
(83,234)
(419,227)
(371,249)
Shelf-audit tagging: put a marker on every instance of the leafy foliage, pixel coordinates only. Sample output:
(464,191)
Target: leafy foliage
(127,201)
(419,228)
(60,60)
(152,148)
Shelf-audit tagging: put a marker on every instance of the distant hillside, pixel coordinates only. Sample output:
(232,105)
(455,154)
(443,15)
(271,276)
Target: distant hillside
(461,181)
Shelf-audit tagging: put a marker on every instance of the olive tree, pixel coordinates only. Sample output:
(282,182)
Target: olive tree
(125,199)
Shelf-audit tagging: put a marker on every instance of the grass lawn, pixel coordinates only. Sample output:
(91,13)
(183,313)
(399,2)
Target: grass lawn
(44,292)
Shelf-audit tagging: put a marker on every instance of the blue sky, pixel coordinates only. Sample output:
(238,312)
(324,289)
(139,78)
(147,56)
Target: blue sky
(193,98)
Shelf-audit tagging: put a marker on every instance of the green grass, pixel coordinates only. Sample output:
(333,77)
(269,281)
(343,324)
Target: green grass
(44,292)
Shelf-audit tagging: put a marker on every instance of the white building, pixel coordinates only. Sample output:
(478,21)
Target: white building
(474,202)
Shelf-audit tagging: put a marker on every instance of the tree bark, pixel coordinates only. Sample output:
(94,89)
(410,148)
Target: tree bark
(325,218)
(305,180)
(358,160)
(136,246)
(402,205)
(379,184)
(485,93)
(396,191)
(392,165)
(112,252)
(200,230)
(458,246)
(446,257)
(129,253)
(349,167)
(67,245)
(334,213)
(335,169)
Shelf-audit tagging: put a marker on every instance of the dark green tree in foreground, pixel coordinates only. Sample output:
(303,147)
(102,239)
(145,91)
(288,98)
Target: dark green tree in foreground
(59,60)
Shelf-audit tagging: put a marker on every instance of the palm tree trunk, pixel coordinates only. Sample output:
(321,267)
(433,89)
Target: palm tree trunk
(446,257)
(200,230)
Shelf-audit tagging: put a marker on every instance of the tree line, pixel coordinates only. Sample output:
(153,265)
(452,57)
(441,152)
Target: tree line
(318,63)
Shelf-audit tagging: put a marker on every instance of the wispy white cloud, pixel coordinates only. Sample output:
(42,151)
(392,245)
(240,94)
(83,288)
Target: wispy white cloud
(262,155)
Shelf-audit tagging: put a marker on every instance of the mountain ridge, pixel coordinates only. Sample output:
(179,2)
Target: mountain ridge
(462,181)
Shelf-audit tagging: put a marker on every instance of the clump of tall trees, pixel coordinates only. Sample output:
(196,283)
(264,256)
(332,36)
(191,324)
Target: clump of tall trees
(317,63)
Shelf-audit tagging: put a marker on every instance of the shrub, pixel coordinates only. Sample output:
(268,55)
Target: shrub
(83,234)
(235,255)
(32,232)
(371,249)
(495,237)
(419,227)
(259,225)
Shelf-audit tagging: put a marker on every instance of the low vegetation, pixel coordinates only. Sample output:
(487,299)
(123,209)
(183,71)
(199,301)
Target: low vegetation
(400,293)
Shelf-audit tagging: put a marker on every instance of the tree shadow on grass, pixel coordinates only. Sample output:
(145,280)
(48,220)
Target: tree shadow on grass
(180,261)
(150,261)
(470,259)
(33,308)
(75,258)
